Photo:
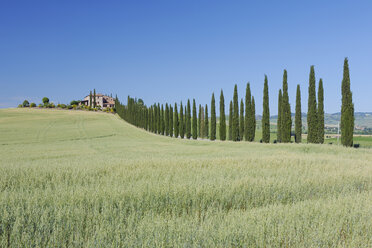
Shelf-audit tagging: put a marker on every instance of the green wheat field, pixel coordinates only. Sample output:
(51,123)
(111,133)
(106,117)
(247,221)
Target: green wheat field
(84,179)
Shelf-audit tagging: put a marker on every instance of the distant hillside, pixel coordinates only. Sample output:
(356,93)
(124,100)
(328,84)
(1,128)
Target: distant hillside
(362,119)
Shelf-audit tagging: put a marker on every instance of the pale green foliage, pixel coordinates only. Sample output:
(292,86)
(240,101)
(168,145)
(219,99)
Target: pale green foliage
(89,179)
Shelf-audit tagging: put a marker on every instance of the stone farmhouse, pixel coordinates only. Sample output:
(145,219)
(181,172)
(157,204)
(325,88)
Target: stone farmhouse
(101,100)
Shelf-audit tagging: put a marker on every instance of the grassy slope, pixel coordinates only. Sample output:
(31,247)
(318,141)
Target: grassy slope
(70,178)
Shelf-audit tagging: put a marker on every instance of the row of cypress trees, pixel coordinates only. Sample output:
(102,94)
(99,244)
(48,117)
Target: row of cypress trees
(188,123)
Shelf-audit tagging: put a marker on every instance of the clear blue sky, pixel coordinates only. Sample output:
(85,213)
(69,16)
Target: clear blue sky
(168,51)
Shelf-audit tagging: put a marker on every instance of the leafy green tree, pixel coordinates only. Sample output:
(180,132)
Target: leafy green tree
(194,121)
(298,116)
(182,123)
(312,125)
(206,122)
(46,100)
(231,121)
(235,123)
(248,114)
(25,104)
(176,122)
(166,124)
(279,125)
(222,117)
(320,112)
(347,109)
(188,120)
(170,121)
(266,114)
(241,121)
(213,118)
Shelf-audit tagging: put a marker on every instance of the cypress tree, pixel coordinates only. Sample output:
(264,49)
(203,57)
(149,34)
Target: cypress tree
(347,108)
(230,121)
(170,121)
(166,119)
(162,122)
(320,112)
(266,114)
(213,118)
(248,114)
(176,122)
(286,112)
(182,122)
(202,123)
(312,126)
(194,121)
(235,126)
(188,120)
(253,128)
(298,116)
(222,117)
(199,122)
(94,99)
(241,121)
(206,122)
(279,125)
(185,121)
(159,119)
(90,99)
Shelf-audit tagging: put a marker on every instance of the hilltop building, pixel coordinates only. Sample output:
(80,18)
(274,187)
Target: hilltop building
(101,100)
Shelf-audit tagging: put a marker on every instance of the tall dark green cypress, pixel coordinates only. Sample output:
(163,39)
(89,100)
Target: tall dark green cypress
(199,121)
(241,120)
(312,125)
(182,123)
(266,114)
(90,99)
(235,127)
(94,99)
(347,108)
(188,120)
(206,122)
(248,114)
(253,120)
(279,123)
(320,112)
(298,116)
(170,121)
(222,118)
(286,112)
(159,119)
(176,122)
(162,120)
(166,120)
(213,118)
(231,121)
(194,121)
(185,120)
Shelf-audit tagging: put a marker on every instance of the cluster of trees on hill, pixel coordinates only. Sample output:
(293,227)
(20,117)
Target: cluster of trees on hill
(187,122)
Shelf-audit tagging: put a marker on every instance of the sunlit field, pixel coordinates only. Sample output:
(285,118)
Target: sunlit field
(85,179)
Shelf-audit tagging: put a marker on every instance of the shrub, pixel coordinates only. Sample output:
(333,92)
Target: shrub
(74,102)
(69,106)
(45,101)
(74,106)
(33,105)
(20,106)
(58,105)
(63,106)
(25,103)
(40,105)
